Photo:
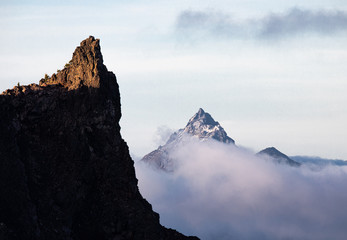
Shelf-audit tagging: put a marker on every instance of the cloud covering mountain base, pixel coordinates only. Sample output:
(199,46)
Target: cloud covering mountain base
(219,191)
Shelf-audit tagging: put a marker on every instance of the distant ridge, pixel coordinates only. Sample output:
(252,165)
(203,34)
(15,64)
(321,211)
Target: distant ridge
(319,161)
(277,156)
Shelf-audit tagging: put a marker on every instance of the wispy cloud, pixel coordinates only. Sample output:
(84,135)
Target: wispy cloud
(162,134)
(222,192)
(303,21)
(209,23)
(295,21)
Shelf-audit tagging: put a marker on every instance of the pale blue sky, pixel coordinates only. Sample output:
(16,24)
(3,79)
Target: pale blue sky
(273,73)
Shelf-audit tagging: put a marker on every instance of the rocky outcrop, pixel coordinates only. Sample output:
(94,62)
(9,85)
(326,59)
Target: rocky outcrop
(65,171)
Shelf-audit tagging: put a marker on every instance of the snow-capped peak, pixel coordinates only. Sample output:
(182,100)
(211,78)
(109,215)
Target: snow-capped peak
(202,118)
(203,126)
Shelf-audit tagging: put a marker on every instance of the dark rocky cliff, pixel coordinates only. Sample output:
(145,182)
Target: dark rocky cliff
(65,171)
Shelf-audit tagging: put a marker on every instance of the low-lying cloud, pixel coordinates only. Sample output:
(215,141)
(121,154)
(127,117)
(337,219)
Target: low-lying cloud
(222,192)
(162,134)
(294,22)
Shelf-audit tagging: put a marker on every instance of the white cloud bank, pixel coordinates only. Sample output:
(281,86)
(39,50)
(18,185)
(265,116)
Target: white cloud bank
(222,192)
(294,22)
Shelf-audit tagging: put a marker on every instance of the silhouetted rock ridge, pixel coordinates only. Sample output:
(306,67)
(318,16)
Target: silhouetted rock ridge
(65,171)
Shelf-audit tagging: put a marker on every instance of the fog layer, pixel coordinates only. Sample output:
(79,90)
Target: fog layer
(219,191)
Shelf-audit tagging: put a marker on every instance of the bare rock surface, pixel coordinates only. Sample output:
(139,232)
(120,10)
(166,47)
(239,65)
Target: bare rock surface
(65,171)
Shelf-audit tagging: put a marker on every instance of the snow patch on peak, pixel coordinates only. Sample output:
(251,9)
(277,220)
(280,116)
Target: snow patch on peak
(203,126)
(201,117)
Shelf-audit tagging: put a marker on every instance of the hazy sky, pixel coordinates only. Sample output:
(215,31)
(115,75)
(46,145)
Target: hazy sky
(273,73)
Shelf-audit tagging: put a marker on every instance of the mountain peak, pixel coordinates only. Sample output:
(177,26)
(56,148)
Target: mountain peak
(201,112)
(85,69)
(88,53)
(278,156)
(204,126)
(202,117)
(201,126)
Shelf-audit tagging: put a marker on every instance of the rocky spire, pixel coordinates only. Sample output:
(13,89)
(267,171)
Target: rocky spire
(85,69)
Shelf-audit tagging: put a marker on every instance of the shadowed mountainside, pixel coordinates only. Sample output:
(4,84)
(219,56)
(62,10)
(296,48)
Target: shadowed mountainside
(65,171)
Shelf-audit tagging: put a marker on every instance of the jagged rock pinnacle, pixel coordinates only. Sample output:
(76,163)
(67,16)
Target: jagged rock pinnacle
(85,69)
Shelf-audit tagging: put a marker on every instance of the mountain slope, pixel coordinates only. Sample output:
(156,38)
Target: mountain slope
(277,156)
(319,161)
(65,171)
(201,127)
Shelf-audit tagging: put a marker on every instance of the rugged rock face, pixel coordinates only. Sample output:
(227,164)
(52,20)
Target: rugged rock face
(276,156)
(201,126)
(65,171)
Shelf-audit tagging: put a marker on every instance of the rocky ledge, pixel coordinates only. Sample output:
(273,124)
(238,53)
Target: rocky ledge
(65,171)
